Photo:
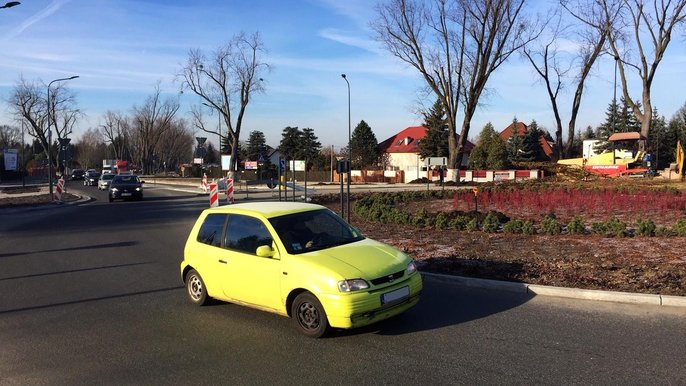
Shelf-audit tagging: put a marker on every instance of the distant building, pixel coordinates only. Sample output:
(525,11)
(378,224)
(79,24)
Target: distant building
(521,131)
(402,150)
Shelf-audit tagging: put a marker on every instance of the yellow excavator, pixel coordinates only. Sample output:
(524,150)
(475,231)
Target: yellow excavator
(622,162)
(680,158)
(615,162)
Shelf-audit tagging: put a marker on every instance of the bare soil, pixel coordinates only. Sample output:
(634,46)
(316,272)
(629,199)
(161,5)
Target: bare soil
(654,265)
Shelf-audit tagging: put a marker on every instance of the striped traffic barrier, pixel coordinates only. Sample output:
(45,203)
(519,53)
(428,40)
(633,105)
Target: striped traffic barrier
(229,190)
(59,189)
(204,183)
(214,195)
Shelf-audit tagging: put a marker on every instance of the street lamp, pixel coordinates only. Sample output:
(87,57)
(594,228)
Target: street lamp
(50,131)
(614,106)
(10,4)
(350,150)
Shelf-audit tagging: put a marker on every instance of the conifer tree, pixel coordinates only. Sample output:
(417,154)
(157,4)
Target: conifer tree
(364,145)
(435,144)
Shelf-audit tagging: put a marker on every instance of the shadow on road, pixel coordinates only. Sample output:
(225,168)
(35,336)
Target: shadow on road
(444,304)
(88,247)
(89,300)
(72,271)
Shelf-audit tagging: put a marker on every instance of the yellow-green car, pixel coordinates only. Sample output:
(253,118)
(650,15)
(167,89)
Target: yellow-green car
(300,260)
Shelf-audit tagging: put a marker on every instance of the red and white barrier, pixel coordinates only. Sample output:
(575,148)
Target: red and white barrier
(59,189)
(229,190)
(204,183)
(214,196)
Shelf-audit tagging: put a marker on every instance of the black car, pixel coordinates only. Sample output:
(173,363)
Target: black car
(91,178)
(125,187)
(77,174)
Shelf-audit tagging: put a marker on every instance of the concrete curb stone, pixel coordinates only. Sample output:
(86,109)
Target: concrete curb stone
(570,293)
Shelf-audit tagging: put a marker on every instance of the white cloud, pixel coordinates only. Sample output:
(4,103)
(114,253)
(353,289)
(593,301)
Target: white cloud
(47,11)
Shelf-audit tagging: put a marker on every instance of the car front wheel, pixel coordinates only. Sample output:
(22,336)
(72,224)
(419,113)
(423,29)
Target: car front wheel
(309,315)
(195,288)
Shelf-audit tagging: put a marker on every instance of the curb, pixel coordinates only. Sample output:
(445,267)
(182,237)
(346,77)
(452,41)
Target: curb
(562,292)
(45,206)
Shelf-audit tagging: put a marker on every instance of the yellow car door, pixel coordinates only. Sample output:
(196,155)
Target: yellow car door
(251,278)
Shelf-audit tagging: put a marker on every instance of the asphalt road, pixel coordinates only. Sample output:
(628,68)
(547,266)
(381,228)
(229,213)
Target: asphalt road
(90,294)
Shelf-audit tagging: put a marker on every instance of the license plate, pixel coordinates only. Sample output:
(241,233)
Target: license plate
(126,194)
(392,296)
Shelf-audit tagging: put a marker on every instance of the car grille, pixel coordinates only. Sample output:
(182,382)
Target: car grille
(388,278)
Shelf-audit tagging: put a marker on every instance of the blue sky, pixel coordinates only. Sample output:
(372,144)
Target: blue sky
(121,49)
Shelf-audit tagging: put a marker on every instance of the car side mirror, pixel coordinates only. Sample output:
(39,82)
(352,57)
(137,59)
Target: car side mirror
(265,251)
(142,182)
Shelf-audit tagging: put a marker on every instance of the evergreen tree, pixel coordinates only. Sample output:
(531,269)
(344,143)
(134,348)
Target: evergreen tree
(365,151)
(617,120)
(211,154)
(531,149)
(514,143)
(309,145)
(435,143)
(256,146)
(490,151)
(661,142)
(290,142)
(478,157)
(497,154)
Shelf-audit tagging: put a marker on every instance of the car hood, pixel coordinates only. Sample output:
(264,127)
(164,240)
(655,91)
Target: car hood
(367,259)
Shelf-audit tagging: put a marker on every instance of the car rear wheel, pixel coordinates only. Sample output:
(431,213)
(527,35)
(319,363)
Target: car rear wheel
(195,288)
(309,315)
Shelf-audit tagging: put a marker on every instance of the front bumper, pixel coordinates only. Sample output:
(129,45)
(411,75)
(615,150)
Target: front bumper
(126,194)
(362,308)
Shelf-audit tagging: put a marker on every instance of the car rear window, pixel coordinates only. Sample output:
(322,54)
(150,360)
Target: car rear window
(212,229)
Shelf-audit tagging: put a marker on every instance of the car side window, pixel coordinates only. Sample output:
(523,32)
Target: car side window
(212,229)
(245,234)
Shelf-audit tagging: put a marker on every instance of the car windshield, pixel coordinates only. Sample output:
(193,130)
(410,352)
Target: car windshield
(107,176)
(125,179)
(313,230)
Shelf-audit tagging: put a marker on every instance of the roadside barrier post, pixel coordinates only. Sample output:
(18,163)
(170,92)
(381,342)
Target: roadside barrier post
(204,183)
(57,195)
(229,190)
(214,195)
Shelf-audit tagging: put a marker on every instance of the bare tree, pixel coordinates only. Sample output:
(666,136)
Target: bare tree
(225,81)
(639,34)
(456,46)
(546,61)
(29,103)
(10,136)
(176,146)
(149,124)
(117,132)
(90,149)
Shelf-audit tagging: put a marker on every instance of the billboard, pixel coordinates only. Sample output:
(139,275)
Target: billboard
(11,159)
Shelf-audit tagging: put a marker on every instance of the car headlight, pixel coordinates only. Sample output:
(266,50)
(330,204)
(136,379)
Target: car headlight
(411,268)
(351,285)
(115,190)
(138,189)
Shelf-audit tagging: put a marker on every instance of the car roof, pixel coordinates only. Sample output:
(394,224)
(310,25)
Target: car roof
(266,209)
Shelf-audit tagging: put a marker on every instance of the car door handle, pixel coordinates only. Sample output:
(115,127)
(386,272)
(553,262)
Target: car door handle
(222,261)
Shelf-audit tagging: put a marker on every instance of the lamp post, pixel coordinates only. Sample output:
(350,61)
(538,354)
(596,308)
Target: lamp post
(50,118)
(614,106)
(350,150)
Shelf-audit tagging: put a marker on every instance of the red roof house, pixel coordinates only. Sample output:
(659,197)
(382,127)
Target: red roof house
(521,131)
(403,152)
(407,141)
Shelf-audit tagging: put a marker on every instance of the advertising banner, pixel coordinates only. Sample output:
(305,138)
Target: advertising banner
(11,159)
